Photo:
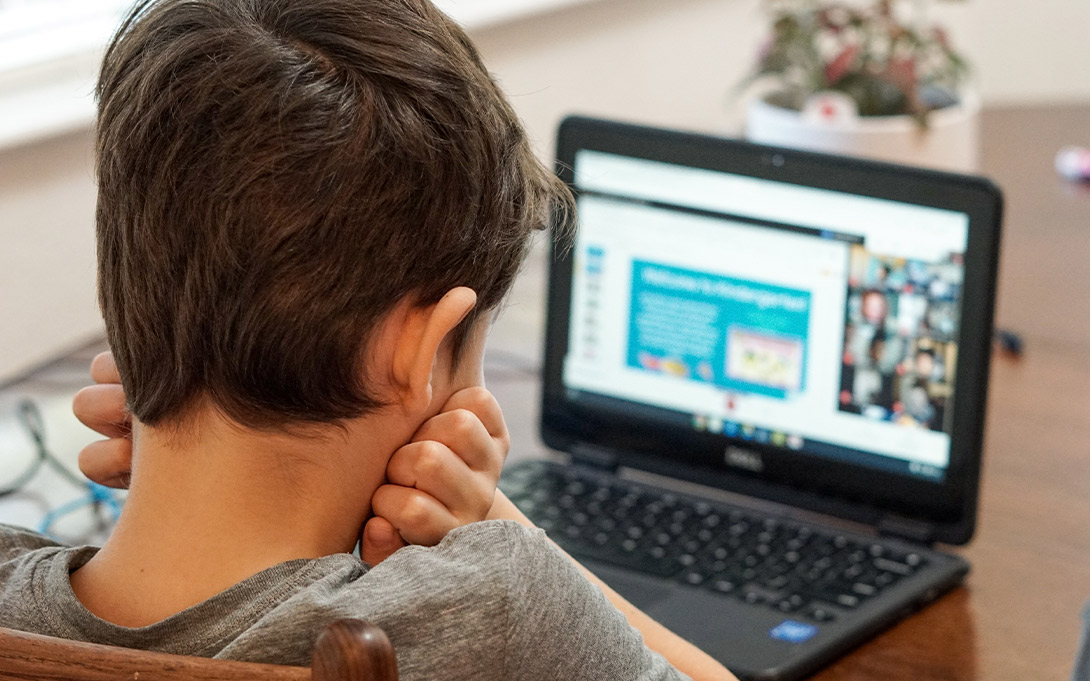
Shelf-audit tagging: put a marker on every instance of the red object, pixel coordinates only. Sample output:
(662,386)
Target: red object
(841,64)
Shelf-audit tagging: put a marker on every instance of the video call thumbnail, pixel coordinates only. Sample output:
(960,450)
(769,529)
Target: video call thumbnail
(900,334)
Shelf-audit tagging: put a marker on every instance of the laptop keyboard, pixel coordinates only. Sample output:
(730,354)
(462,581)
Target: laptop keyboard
(760,559)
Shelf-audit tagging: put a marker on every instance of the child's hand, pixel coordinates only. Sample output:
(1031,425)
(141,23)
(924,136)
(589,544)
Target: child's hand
(101,408)
(445,478)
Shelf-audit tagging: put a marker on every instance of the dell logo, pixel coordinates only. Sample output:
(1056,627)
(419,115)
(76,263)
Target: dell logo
(744,458)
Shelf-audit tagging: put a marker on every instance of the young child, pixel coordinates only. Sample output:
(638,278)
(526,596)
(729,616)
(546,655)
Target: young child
(307,211)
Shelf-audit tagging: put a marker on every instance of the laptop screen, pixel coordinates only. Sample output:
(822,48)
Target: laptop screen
(804,319)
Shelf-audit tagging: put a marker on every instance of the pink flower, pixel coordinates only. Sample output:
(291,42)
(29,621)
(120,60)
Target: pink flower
(841,65)
(764,49)
(903,73)
(942,37)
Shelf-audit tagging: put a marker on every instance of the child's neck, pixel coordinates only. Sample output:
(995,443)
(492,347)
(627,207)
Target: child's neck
(210,509)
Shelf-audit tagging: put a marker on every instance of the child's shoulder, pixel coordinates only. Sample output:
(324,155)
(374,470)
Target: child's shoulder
(435,603)
(16,542)
(479,563)
(28,561)
(493,555)
(476,542)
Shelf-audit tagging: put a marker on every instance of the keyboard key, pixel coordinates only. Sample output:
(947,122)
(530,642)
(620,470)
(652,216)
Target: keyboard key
(891,566)
(884,579)
(605,524)
(847,600)
(659,568)
(790,604)
(821,613)
(723,585)
(575,488)
(693,578)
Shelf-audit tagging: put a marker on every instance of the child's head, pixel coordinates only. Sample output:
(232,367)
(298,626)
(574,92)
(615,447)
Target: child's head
(275,176)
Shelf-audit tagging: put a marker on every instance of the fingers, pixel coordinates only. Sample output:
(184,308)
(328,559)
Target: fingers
(107,462)
(480,402)
(418,517)
(462,432)
(471,424)
(104,369)
(102,409)
(379,541)
(435,470)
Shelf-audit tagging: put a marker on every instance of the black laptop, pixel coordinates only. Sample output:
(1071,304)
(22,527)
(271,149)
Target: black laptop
(769,370)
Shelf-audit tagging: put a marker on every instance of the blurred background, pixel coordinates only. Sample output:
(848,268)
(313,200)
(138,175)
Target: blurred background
(674,63)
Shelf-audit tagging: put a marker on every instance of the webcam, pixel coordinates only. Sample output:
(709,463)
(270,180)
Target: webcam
(775,160)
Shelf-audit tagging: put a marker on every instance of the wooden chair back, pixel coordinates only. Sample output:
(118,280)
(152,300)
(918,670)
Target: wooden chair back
(346,650)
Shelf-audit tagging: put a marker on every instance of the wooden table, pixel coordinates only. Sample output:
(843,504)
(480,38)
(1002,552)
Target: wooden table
(1018,615)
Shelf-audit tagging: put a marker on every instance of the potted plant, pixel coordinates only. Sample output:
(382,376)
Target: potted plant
(873,80)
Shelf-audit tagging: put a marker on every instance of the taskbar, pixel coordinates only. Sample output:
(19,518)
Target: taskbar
(735,431)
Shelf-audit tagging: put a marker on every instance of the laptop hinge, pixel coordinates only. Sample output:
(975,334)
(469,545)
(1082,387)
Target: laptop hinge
(597,458)
(900,527)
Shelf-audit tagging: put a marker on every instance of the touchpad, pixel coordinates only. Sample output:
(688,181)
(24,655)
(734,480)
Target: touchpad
(638,590)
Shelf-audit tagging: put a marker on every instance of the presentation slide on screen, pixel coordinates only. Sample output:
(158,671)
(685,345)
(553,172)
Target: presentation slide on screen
(737,335)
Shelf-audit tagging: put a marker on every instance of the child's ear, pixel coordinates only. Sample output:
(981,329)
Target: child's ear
(420,338)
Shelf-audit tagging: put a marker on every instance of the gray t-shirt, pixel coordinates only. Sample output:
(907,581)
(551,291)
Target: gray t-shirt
(494,600)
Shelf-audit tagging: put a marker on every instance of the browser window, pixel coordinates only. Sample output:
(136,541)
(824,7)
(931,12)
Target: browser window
(796,317)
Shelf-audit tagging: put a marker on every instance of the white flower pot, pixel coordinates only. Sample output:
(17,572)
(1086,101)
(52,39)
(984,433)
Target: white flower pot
(949,142)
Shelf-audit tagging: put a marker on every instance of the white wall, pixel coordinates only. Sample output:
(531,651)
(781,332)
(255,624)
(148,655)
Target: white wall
(641,60)
(47,282)
(1026,50)
(670,62)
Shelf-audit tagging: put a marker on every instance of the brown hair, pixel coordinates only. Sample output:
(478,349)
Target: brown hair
(275,175)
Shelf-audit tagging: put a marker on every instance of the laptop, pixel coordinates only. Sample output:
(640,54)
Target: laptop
(768,371)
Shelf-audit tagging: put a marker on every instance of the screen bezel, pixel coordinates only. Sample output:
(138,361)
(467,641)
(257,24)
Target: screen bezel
(853,492)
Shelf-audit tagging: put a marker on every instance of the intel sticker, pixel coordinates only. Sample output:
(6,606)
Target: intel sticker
(793,632)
